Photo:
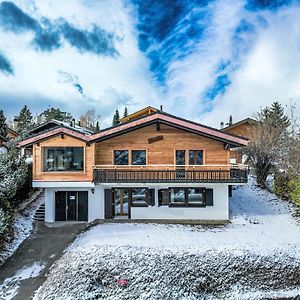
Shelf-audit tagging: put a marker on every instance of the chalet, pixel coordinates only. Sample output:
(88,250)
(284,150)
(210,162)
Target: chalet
(153,165)
(245,128)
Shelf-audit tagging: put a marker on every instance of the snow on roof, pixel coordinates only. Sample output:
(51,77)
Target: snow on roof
(60,124)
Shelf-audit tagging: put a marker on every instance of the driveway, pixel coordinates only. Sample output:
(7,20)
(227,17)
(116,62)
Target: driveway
(27,268)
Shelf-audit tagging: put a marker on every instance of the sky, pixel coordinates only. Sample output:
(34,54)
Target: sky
(202,60)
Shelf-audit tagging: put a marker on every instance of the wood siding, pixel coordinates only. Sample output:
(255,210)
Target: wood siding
(246,130)
(163,151)
(67,141)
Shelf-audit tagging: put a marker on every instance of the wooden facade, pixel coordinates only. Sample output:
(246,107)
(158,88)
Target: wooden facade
(161,151)
(63,141)
(245,128)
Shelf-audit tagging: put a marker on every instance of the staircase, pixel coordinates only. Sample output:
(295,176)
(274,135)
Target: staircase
(40,213)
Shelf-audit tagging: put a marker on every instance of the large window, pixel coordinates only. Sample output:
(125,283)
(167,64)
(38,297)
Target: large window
(177,196)
(187,196)
(139,197)
(121,157)
(195,196)
(138,157)
(196,157)
(63,159)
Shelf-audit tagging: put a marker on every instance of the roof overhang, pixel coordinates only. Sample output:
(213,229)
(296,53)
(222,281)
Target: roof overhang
(154,118)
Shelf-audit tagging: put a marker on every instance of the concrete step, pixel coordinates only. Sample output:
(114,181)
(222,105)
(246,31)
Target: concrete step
(40,213)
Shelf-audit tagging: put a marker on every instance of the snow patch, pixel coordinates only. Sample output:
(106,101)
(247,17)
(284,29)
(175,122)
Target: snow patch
(10,286)
(22,226)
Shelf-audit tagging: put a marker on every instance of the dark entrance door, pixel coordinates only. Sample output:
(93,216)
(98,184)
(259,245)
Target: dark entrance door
(82,206)
(71,206)
(121,202)
(60,206)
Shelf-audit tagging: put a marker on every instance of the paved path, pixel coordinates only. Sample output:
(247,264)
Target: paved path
(44,246)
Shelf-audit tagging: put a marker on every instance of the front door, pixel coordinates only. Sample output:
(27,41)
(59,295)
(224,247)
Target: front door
(71,206)
(121,200)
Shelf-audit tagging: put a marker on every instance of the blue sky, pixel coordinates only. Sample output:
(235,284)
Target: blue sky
(202,60)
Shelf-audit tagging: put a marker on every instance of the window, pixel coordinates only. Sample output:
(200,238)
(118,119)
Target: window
(177,196)
(63,159)
(195,196)
(187,197)
(138,157)
(139,197)
(196,157)
(121,157)
(180,157)
(142,197)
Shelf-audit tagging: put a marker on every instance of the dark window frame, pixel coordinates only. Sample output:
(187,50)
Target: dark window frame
(139,204)
(186,203)
(44,158)
(121,150)
(195,156)
(137,150)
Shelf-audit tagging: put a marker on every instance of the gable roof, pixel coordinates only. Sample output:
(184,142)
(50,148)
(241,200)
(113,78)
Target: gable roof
(142,112)
(54,124)
(244,121)
(157,117)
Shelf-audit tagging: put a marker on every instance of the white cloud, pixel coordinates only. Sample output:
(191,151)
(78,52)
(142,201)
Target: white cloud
(37,72)
(270,72)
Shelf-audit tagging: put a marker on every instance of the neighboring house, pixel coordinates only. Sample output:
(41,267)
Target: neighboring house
(138,114)
(156,166)
(245,128)
(11,134)
(48,126)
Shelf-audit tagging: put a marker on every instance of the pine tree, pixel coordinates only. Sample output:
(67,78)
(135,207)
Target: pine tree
(125,112)
(97,127)
(25,122)
(55,113)
(116,118)
(3,126)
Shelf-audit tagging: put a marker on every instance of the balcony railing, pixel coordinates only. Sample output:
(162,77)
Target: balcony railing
(117,175)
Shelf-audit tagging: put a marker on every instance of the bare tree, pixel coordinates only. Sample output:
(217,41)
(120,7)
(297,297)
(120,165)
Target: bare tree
(90,120)
(268,142)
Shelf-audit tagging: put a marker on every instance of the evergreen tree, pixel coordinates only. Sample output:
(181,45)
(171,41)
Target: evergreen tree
(97,127)
(55,113)
(125,112)
(3,126)
(116,118)
(269,141)
(276,116)
(25,122)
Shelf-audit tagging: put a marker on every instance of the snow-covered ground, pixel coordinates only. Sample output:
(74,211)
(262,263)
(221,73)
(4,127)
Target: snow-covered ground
(10,286)
(23,225)
(255,257)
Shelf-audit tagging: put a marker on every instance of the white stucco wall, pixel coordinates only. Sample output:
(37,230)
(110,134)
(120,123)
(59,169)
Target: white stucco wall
(219,211)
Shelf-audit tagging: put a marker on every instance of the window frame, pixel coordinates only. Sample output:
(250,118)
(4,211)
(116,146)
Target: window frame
(43,151)
(195,151)
(139,204)
(114,157)
(186,203)
(131,157)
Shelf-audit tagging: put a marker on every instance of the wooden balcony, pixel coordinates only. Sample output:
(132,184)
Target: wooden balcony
(175,174)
